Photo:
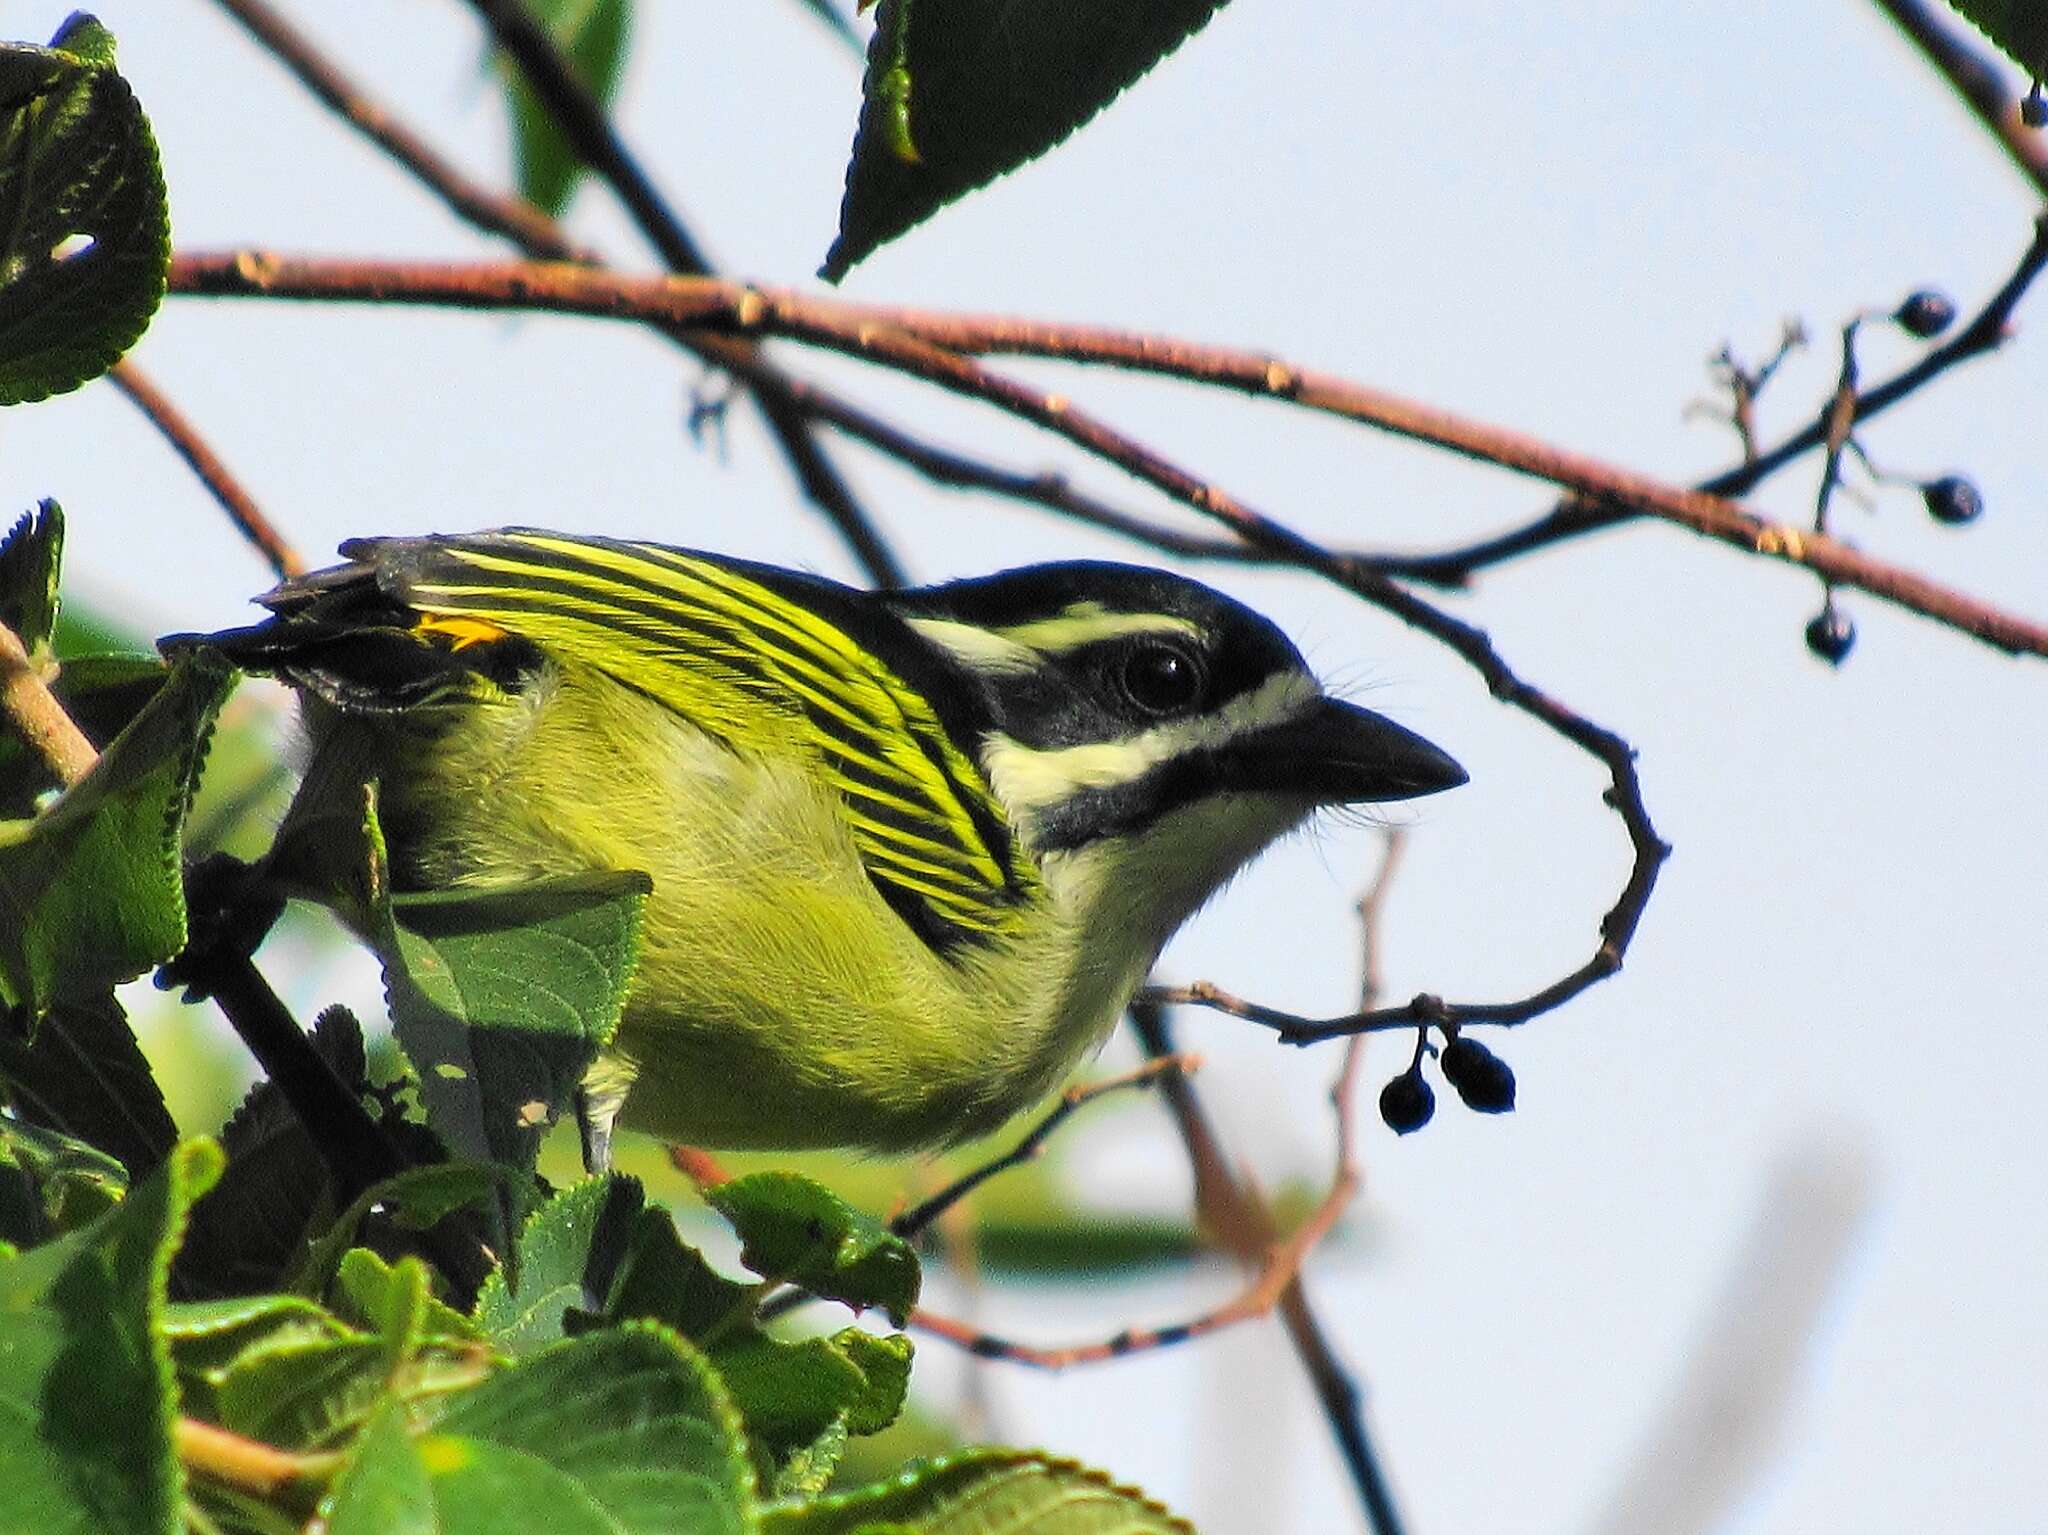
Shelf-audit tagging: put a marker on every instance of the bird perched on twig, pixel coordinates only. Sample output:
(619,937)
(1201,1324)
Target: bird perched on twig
(912,852)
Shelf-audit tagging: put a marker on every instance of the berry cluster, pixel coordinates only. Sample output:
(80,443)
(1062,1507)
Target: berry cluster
(1481,1078)
(1951,500)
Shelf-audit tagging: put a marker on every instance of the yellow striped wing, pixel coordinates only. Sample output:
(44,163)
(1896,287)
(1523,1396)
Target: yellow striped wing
(719,646)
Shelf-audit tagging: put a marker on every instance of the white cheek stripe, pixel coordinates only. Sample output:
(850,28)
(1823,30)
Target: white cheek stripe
(1027,779)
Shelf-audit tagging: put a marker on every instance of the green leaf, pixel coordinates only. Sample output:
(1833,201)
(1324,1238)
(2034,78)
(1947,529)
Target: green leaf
(206,1336)
(86,1397)
(416,1199)
(384,1488)
(91,891)
(623,1432)
(302,1383)
(2020,27)
(51,1183)
(502,999)
(960,91)
(85,236)
(563,1259)
(83,1074)
(981,1492)
(795,1396)
(592,35)
(29,560)
(885,1363)
(396,1302)
(807,1471)
(797,1231)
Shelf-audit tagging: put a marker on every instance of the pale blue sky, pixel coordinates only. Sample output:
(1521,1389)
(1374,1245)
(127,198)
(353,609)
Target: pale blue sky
(1545,215)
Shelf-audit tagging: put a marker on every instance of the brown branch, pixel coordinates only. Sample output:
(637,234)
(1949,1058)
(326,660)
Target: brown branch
(251,1467)
(689,300)
(1987,330)
(1231,1207)
(862,333)
(542,239)
(497,213)
(1977,80)
(1245,1227)
(220,483)
(28,703)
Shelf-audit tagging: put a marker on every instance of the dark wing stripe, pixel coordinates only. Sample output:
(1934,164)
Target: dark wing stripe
(922,818)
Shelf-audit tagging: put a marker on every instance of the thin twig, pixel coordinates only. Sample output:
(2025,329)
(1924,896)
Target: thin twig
(249,1466)
(1977,80)
(1231,1207)
(1575,518)
(184,437)
(914,1220)
(543,239)
(581,118)
(499,213)
(853,330)
(1053,491)
(704,1170)
(28,703)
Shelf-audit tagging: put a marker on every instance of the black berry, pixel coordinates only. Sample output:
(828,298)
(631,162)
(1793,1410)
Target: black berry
(1952,499)
(1482,1078)
(1406,1103)
(1831,636)
(1925,314)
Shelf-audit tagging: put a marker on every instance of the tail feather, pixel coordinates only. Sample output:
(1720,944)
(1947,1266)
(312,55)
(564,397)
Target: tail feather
(347,635)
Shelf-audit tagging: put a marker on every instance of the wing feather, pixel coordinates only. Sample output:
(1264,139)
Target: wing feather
(731,654)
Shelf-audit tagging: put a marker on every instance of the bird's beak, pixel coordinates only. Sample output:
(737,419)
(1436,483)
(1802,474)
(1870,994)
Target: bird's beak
(1336,753)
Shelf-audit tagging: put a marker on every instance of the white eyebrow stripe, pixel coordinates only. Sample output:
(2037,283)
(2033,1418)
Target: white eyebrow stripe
(976,648)
(1088,623)
(1029,779)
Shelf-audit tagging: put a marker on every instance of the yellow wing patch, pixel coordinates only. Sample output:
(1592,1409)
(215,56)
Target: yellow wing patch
(737,658)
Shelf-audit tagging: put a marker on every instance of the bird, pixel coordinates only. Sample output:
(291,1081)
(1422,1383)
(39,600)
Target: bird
(912,851)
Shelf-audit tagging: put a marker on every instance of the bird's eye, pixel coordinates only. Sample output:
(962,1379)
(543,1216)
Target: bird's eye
(1161,678)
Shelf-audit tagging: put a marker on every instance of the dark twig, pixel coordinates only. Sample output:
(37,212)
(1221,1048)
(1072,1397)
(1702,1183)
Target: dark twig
(854,330)
(914,1220)
(1054,492)
(498,213)
(1977,80)
(1234,1210)
(184,437)
(1837,422)
(541,238)
(582,121)
(1576,518)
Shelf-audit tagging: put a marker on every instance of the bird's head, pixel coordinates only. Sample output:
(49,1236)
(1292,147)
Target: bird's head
(1146,727)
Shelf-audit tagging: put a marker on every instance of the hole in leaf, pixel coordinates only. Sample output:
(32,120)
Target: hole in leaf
(71,247)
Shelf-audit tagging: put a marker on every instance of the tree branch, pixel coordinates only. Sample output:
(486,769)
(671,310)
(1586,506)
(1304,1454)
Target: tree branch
(541,238)
(1977,80)
(876,337)
(185,440)
(28,703)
